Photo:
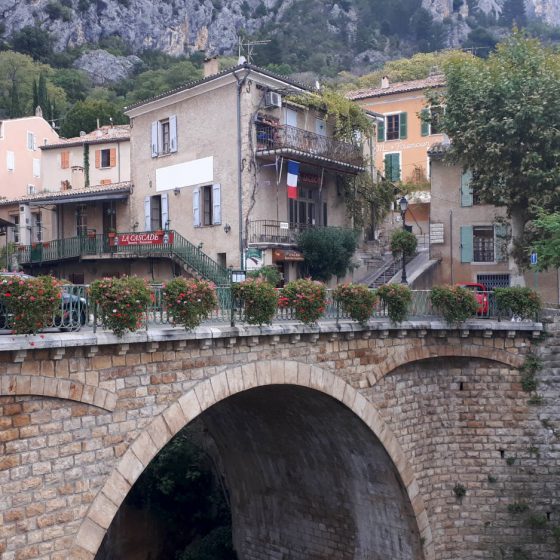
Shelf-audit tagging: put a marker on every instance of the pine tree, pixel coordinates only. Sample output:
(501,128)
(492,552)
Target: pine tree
(513,13)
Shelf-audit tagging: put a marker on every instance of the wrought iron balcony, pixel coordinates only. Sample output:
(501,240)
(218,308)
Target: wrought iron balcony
(296,141)
(274,233)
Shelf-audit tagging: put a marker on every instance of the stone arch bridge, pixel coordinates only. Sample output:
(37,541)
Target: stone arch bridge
(339,442)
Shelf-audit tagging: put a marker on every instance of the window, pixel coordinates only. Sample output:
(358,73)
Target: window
(469,197)
(393,127)
(15,220)
(156,212)
(483,244)
(291,117)
(303,209)
(164,136)
(31,189)
(64,160)
(393,167)
(10,161)
(431,120)
(81,220)
(31,141)
(207,209)
(320,127)
(36,167)
(493,281)
(37,227)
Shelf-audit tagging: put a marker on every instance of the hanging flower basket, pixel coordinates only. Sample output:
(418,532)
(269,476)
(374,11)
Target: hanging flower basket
(159,232)
(112,235)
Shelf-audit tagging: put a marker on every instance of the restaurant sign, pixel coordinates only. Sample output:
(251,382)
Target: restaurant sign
(287,255)
(144,238)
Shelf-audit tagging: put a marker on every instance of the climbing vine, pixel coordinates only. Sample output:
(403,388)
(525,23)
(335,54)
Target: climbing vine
(86,165)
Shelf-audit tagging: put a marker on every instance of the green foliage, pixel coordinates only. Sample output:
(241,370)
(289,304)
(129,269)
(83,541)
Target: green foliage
(510,461)
(529,369)
(403,243)
(328,251)
(188,302)
(519,301)
(455,303)
(84,114)
(56,10)
(518,507)
(29,303)
(306,297)
(121,302)
(259,299)
(546,242)
(356,300)
(33,41)
(269,273)
(397,299)
(459,490)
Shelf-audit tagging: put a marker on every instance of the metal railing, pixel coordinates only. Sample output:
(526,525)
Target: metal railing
(275,232)
(74,247)
(271,137)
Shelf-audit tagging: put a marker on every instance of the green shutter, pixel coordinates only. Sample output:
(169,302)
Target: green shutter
(466,244)
(381,130)
(425,125)
(466,190)
(402,126)
(388,166)
(500,242)
(392,167)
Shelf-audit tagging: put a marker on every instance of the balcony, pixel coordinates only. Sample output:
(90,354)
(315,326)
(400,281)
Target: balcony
(306,146)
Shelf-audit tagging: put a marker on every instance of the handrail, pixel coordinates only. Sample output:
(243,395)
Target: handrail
(74,247)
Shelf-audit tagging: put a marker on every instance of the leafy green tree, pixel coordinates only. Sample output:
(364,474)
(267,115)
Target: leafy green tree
(513,13)
(503,116)
(74,82)
(34,41)
(546,235)
(328,251)
(84,114)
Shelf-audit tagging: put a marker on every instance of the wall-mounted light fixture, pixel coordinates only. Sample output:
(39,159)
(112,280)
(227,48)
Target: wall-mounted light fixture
(227,228)
(176,191)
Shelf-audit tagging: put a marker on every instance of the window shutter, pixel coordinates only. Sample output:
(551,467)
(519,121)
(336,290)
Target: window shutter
(466,190)
(165,211)
(34,142)
(381,130)
(173,133)
(196,208)
(500,242)
(216,202)
(155,139)
(10,161)
(396,167)
(425,125)
(402,126)
(388,166)
(98,158)
(466,244)
(147,214)
(36,167)
(112,157)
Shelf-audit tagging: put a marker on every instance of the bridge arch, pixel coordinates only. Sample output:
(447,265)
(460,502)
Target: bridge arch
(218,388)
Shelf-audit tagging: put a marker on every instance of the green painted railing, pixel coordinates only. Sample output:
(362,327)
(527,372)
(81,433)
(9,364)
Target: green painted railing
(74,247)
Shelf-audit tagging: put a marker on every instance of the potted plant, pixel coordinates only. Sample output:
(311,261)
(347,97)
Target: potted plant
(188,302)
(307,298)
(111,233)
(520,302)
(259,300)
(357,300)
(455,303)
(159,232)
(121,302)
(91,233)
(397,299)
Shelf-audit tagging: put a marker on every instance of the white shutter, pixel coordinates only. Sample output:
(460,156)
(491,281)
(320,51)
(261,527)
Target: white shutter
(155,139)
(164,211)
(196,207)
(10,161)
(34,142)
(147,214)
(173,133)
(217,204)
(36,167)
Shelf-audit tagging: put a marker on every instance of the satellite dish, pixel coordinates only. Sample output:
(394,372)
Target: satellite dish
(241,60)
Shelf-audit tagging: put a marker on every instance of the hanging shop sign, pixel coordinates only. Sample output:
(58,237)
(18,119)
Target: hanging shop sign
(309,178)
(287,255)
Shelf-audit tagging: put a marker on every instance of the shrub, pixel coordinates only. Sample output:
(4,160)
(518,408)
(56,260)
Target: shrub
(529,369)
(307,298)
(521,302)
(403,242)
(268,273)
(397,299)
(327,251)
(188,302)
(29,303)
(455,303)
(355,299)
(121,302)
(260,300)
(459,490)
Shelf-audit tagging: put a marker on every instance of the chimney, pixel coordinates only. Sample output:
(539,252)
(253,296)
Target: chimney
(384,82)
(211,66)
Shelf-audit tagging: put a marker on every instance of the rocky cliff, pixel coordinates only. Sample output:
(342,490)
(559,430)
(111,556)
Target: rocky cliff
(185,26)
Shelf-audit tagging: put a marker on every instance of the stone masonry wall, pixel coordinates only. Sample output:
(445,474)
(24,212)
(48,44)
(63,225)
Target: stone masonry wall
(81,415)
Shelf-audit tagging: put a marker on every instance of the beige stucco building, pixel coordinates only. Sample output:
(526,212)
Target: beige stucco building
(21,170)
(470,238)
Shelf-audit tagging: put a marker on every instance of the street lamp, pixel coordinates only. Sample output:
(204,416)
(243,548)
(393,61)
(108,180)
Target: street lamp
(403,204)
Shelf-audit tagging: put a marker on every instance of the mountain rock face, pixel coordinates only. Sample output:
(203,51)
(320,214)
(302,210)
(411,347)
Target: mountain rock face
(185,26)
(103,67)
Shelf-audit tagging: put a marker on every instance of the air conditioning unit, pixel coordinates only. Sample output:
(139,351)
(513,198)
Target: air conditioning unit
(272,99)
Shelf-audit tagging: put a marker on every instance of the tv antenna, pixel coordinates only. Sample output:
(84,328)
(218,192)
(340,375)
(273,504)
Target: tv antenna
(248,47)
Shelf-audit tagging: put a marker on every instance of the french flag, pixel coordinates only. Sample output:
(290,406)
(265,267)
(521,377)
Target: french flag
(293,174)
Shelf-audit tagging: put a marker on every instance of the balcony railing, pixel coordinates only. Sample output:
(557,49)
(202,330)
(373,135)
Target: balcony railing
(271,137)
(273,232)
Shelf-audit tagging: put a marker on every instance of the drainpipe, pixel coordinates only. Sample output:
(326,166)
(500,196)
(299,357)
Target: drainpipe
(240,83)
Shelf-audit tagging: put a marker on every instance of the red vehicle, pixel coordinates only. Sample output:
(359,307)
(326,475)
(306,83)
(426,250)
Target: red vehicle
(480,293)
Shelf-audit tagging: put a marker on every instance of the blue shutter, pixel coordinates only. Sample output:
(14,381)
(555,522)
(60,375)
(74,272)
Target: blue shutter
(381,130)
(466,189)
(393,167)
(500,242)
(402,126)
(388,167)
(173,133)
(424,124)
(466,244)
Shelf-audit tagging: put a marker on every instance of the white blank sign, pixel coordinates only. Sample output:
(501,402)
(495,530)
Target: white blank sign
(188,174)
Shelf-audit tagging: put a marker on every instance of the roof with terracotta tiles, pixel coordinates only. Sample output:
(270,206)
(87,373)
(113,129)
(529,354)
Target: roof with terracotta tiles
(102,135)
(437,80)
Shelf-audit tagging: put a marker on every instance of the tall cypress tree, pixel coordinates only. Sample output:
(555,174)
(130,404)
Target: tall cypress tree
(35,96)
(513,13)
(42,95)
